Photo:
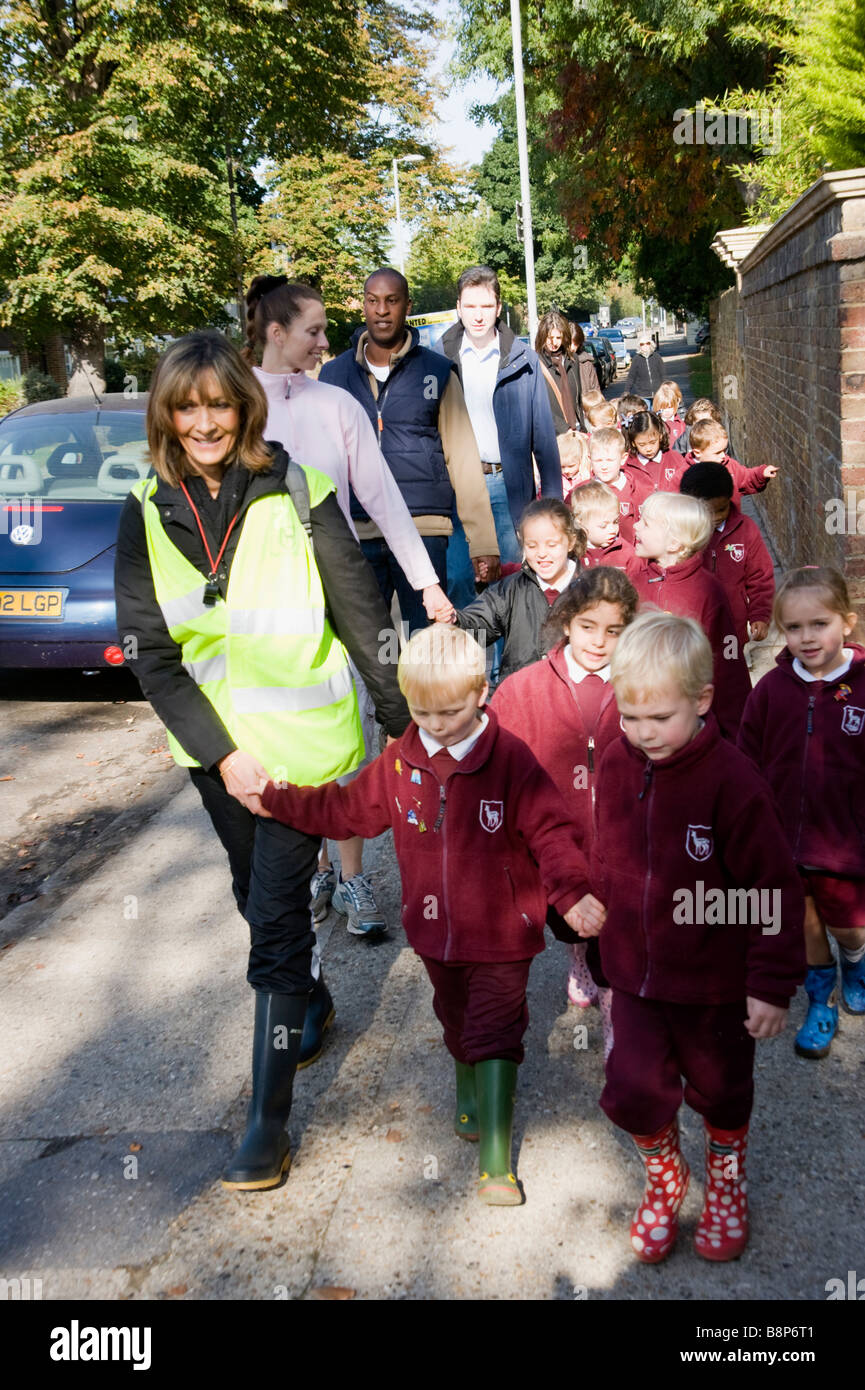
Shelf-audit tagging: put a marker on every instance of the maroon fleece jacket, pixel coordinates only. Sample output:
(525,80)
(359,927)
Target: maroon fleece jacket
(480,855)
(668,834)
(619,555)
(543,706)
(808,740)
(631,498)
(738,557)
(688,590)
(661,475)
(745,480)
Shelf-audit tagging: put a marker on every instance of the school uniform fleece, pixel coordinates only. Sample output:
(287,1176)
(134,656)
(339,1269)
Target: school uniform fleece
(745,480)
(480,853)
(633,492)
(808,740)
(737,556)
(619,554)
(660,474)
(688,590)
(668,833)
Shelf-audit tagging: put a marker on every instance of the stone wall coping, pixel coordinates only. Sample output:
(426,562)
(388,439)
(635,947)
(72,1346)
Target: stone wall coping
(732,246)
(829,188)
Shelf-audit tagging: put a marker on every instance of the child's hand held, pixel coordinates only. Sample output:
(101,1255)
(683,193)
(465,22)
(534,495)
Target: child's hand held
(764,1020)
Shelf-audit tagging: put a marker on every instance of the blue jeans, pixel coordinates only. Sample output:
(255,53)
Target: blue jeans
(461,576)
(391,580)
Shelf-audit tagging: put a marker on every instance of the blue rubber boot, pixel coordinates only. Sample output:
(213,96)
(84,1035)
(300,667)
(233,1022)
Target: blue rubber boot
(853,985)
(815,1036)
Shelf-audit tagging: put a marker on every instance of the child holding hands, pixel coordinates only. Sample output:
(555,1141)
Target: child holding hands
(702,939)
(472,811)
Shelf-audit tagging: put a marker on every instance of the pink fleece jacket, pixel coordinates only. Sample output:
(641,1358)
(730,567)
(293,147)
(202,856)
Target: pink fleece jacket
(326,428)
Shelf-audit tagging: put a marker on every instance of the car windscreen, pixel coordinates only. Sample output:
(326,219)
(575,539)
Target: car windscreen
(93,456)
(614,335)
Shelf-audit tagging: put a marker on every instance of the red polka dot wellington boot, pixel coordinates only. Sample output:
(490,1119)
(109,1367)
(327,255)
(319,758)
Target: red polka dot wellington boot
(655,1224)
(722,1233)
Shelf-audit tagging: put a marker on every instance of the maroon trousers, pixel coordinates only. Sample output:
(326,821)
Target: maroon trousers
(656,1044)
(481,1007)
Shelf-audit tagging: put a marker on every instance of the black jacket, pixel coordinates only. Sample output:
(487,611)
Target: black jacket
(646,374)
(515,608)
(355,606)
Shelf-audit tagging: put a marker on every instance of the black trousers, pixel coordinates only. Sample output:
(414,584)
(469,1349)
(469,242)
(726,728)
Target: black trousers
(271,867)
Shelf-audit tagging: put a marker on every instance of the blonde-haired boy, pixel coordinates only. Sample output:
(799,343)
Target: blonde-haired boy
(483,841)
(596,510)
(608,450)
(702,942)
(669,537)
(708,442)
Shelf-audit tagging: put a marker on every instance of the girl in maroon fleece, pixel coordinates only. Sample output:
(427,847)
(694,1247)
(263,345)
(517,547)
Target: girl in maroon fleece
(670,536)
(565,710)
(596,511)
(475,820)
(736,552)
(650,457)
(708,443)
(702,940)
(804,727)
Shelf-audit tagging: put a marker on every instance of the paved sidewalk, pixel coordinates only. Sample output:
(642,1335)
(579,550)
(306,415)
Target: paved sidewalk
(125,1045)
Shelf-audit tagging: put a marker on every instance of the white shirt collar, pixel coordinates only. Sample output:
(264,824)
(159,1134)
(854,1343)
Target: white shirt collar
(618,482)
(481,353)
(578,673)
(456,750)
(805,675)
(560,587)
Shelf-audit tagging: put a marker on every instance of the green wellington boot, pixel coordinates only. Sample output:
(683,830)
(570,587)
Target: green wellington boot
(496,1085)
(466,1118)
(263,1159)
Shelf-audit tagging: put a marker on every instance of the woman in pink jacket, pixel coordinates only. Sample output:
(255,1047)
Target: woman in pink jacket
(325,427)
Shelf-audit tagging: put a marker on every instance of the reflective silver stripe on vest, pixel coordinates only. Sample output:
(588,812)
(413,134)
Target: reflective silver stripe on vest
(211,668)
(285,699)
(184,609)
(276,622)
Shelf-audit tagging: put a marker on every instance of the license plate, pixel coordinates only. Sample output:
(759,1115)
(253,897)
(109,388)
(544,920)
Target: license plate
(31,603)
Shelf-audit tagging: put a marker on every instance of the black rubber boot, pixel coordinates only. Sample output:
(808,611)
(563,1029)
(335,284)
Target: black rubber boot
(263,1159)
(320,1014)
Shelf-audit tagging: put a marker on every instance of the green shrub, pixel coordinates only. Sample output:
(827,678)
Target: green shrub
(11,395)
(38,386)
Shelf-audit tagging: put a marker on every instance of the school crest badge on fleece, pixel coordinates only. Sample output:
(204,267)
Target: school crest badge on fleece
(698,842)
(736,552)
(853,721)
(492,815)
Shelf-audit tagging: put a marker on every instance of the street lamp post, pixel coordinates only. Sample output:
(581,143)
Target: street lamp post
(523,148)
(402,159)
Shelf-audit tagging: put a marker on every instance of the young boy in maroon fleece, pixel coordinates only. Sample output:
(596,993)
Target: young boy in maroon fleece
(736,552)
(709,443)
(483,841)
(670,535)
(607,453)
(596,511)
(702,939)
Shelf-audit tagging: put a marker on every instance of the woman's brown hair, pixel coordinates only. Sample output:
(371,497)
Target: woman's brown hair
(272,299)
(178,372)
(548,322)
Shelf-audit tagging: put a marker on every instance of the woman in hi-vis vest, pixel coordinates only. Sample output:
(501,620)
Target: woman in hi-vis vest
(235,613)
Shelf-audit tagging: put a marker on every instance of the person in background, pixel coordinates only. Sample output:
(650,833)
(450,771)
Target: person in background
(709,444)
(608,451)
(585,361)
(576,469)
(415,402)
(701,409)
(647,368)
(323,426)
(627,406)
(666,403)
(600,415)
(506,399)
(553,346)
(650,460)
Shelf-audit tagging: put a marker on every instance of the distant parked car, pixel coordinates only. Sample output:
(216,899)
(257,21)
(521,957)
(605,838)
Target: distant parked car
(629,326)
(702,335)
(617,342)
(609,350)
(65,469)
(602,362)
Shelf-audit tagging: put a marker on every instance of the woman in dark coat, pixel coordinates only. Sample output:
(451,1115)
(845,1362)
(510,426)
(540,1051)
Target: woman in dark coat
(647,369)
(584,360)
(553,346)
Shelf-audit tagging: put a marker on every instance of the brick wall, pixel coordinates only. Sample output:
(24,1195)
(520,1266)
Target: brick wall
(792,336)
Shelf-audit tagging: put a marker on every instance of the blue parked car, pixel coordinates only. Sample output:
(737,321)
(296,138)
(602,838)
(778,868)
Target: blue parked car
(65,469)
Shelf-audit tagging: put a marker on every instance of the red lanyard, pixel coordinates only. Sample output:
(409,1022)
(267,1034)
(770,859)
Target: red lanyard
(211,592)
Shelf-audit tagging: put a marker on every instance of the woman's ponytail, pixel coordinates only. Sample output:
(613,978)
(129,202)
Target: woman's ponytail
(272,299)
